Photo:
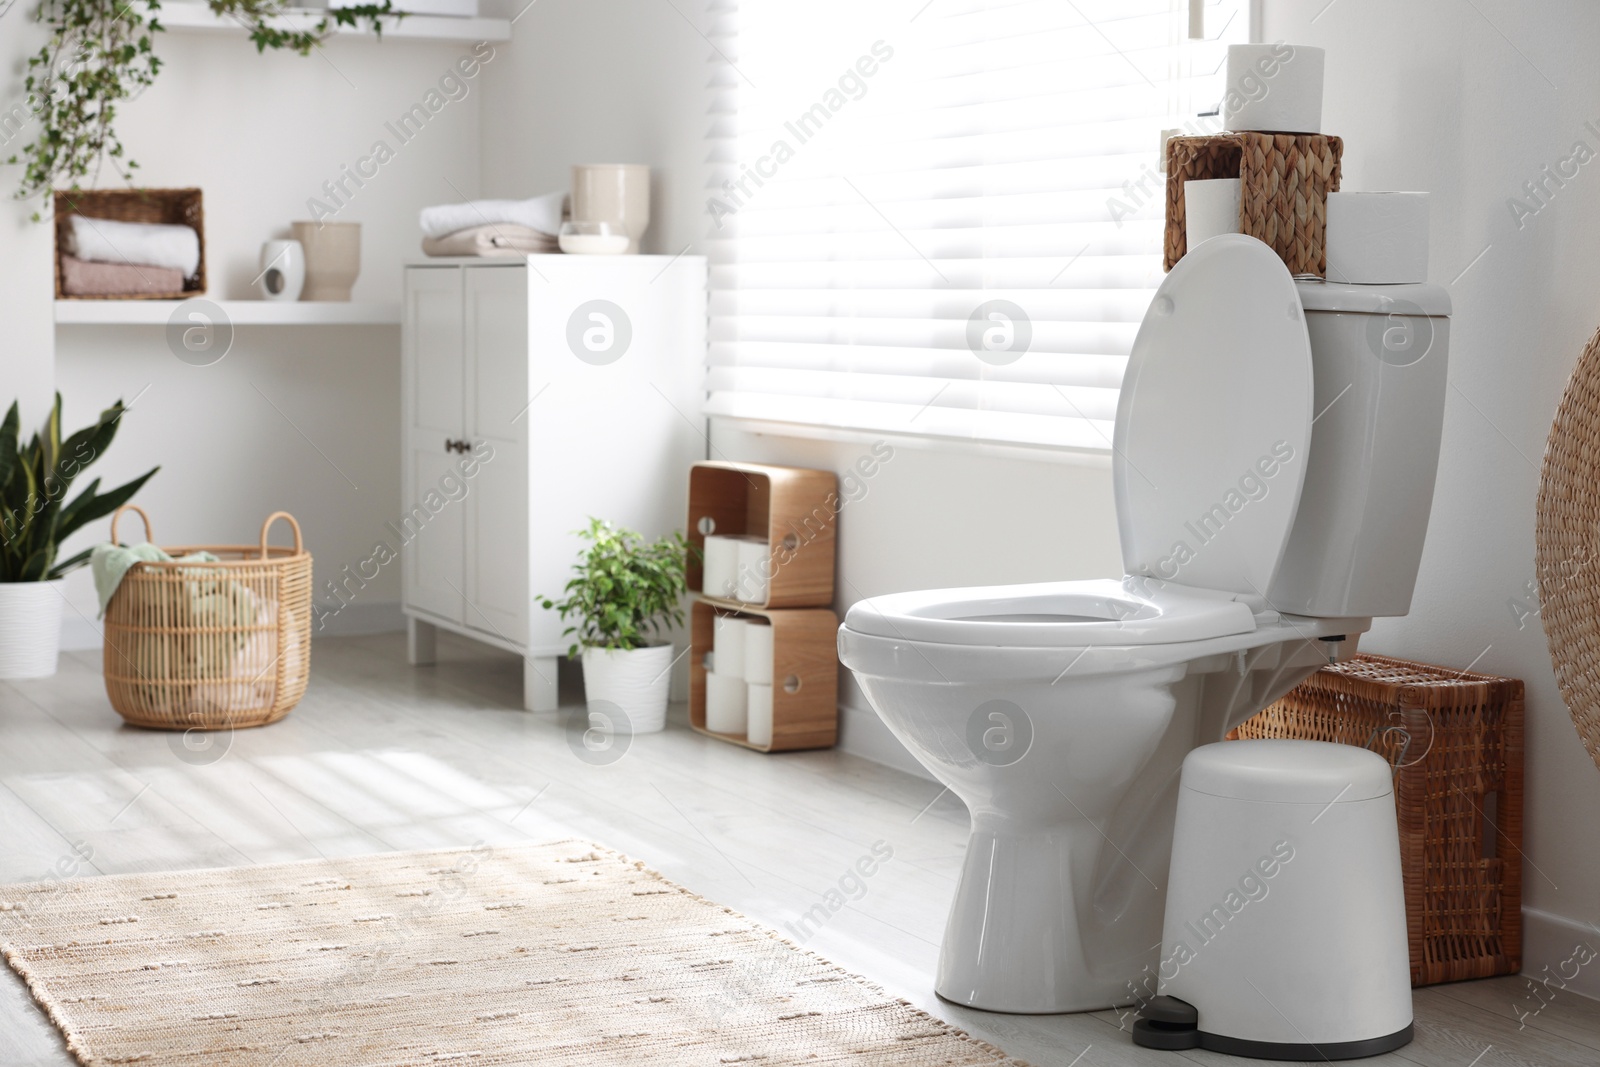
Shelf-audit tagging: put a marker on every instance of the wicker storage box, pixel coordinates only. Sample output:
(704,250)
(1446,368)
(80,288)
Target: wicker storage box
(1285,179)
(176,206)
(210,646)
(1455,739)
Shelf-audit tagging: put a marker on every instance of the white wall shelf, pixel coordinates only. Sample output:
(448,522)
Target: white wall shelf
(239,312)
(188,17)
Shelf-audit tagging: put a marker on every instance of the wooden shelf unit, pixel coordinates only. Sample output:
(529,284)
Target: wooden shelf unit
(795,508)
(805,673)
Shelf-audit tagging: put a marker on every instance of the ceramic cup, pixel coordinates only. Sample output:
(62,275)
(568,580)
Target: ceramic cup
(283,270)
(613,192)
(333,258)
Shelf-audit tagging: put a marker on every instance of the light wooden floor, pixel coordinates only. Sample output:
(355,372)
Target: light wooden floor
(381,756)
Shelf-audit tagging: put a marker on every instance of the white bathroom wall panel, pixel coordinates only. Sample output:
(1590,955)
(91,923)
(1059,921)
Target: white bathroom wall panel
(1473,105)
(27,282)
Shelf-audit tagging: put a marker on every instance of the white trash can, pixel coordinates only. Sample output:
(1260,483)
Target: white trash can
(1285,934)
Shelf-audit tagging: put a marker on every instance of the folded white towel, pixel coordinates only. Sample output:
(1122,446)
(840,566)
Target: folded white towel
(145,243)
(542,213)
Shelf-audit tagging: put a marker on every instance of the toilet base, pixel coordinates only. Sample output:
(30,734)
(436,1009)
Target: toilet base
(1022,935)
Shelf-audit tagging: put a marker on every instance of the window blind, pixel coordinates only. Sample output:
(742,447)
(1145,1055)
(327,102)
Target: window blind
(944,219)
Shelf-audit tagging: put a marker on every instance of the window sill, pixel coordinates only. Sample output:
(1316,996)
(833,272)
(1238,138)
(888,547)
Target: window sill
(1099,460)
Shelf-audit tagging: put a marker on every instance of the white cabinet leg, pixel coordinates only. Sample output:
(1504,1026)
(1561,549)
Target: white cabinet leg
(539,683)
(422,642)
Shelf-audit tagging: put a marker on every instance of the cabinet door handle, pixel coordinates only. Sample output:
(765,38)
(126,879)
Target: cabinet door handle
(456,446)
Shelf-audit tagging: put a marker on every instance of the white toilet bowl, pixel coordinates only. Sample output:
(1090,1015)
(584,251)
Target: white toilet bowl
(1061,712)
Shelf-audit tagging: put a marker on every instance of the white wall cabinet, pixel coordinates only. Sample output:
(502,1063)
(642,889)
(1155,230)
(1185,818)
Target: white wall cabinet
(536,392)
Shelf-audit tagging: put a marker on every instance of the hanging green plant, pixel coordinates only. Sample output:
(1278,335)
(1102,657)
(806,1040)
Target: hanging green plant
(102,52)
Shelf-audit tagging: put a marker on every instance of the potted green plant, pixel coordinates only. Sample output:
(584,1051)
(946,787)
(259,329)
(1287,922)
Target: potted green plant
(626,595)
(35,519)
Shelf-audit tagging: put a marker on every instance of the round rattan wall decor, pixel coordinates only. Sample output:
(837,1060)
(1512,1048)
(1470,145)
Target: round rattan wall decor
(1567,546)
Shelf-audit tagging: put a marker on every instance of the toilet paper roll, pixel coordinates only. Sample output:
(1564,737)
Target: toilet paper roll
(759,717)
(755,562)
(1210,207)
(1273,87)
(721,566)
(728,643)
(758,652)
(1377,238)
(726,703)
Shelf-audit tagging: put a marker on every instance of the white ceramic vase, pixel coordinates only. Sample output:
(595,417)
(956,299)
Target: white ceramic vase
(617,193)
(30,628)
(283,270)
(333,258)
(638,681)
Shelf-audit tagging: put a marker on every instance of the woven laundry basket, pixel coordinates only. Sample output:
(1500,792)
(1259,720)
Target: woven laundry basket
(210,645)
(1284,182)
(1455,741)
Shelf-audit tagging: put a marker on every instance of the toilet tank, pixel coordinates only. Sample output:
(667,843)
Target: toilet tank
(1379,357)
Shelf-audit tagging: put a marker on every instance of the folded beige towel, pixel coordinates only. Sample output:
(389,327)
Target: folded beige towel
(501,239)
(82,278)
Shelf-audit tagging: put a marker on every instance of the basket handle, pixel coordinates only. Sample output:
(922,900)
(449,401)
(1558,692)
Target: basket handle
(299,546)
(115,515)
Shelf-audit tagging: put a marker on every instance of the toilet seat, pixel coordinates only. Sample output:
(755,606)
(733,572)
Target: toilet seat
(1214,421)
(1135,611)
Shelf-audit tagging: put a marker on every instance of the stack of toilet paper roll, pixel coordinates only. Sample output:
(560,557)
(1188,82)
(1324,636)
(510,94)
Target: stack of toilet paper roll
(1378,238)
(739,683)
(737,567)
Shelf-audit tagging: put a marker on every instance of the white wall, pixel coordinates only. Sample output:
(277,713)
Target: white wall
(602,81)
(260,134)
(26,278)
(1470,106)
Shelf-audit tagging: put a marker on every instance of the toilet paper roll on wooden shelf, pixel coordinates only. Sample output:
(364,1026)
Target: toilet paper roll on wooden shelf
(1377,238)
(1210,208)
(759,714)
(728,642)
(755,571)
(757,661)
(726,704)
(1273,88)
(721,566)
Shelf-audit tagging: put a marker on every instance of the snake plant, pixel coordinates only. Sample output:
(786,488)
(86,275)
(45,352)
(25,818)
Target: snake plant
(34,518)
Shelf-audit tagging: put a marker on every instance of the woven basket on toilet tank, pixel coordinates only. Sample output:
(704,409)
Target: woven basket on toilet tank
(209,646)
(1284,182)
(1455,739)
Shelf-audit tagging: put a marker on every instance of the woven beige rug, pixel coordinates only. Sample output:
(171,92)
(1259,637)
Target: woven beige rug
(553,954)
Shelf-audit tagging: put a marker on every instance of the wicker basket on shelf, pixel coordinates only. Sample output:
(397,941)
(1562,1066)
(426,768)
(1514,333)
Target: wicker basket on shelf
(202,645)
(172,206)
(1455,741)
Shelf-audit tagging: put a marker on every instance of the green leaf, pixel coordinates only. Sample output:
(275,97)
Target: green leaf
(88,507)
(68,566)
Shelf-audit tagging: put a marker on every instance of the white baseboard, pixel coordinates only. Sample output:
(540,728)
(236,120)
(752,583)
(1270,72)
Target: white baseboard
(79,633)
(1548,941)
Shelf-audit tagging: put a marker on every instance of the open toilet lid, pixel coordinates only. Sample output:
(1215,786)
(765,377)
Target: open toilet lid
(1214,421)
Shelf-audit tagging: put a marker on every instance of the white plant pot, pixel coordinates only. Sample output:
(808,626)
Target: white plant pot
(636,680)
(30,628)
